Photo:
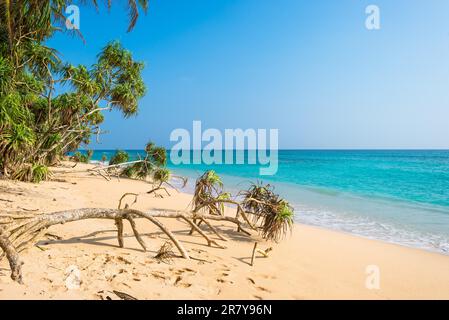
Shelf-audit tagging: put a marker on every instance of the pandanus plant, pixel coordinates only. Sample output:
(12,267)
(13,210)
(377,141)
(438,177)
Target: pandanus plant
(155,159)
(208,193)
(150,168)
(274,214)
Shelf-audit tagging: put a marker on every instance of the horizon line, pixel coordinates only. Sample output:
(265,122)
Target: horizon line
(292,149)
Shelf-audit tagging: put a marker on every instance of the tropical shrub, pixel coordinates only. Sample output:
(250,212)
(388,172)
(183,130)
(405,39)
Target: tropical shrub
(276,214)
(120,156)
(82,157)
(151,166)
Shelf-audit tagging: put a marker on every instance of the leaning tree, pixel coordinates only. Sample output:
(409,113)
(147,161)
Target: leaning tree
(48,106)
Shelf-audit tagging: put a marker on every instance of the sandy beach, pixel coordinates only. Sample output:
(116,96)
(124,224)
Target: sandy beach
(312,263)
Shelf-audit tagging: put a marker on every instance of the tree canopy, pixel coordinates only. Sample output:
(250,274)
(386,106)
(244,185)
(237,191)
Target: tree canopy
(49,107)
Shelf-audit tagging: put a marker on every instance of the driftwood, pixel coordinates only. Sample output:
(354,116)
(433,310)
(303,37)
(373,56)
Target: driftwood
(123,296)
(13,257)
(265,253)
(254,254)
(21,231)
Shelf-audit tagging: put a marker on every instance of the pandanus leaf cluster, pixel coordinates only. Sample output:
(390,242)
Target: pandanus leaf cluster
(150,167)
(209,187)
(274,213)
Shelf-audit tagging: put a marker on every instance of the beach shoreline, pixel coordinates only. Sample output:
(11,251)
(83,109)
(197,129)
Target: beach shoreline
(312,263)
(396,196)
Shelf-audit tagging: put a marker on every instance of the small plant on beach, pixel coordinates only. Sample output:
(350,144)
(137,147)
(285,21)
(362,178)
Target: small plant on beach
(208,189)
(39,172)
(32,173)
(161,175)
(119,157)
(155,158)
(82,157)
(156,155)
(150,168)
(274,213)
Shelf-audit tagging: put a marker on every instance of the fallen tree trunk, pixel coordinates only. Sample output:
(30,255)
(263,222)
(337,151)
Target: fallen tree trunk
(44,221)
(22,231)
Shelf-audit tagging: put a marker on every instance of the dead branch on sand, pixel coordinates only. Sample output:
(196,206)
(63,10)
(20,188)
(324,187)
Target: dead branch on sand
(19,231)
(13,257)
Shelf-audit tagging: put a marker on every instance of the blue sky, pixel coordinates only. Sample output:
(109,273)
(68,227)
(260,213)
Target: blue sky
(309,68)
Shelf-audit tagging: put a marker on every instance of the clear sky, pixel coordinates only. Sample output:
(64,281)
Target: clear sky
(309,68)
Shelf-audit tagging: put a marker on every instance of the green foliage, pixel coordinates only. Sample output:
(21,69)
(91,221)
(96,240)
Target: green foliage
(82,157)
(49,107)
(39,173)
(120,156)
(142,170)
(6,70)
(151,168)
(156,155)
(139,170)
(161,175)
(213,178)
(149,147)
(209,188)
(129,172)
(285,212)
(276,214)
(32,173)
(223,196)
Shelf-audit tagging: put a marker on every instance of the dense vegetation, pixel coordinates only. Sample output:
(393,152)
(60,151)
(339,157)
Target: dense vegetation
(49,107)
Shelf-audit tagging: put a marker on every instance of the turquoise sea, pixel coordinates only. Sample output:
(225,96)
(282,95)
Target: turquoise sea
(398,196)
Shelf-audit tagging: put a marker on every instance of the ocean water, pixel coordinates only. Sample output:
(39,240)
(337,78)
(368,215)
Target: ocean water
(391,195)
